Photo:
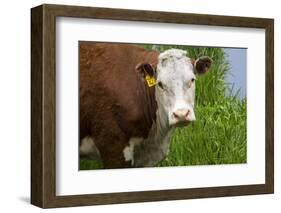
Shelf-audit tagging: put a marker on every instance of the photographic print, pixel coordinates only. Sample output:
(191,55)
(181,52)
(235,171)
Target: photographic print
(151,105)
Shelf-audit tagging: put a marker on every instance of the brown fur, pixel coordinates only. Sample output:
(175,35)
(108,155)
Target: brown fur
(115,102)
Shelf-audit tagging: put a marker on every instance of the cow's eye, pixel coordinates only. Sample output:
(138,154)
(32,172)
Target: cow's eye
(160,84)
(190,83)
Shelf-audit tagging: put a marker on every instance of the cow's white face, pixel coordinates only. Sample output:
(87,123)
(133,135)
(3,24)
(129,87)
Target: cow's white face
(175,86)
(175,89)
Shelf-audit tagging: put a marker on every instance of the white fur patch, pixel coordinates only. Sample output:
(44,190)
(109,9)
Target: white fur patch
(129,150)
(88,147)
(177,53)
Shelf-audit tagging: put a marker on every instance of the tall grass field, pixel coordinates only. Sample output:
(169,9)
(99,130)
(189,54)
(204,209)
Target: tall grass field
(218,136)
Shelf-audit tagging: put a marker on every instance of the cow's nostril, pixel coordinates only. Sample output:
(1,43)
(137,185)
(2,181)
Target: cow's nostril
(175,115)
(187,113)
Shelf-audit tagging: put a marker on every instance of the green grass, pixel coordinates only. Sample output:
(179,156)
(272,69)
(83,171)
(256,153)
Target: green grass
(86,164)
(218,136)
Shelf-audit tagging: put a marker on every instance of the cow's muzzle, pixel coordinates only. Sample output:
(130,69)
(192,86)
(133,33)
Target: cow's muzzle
(182,117)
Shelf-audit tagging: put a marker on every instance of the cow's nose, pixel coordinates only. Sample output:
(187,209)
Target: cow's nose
(181,115)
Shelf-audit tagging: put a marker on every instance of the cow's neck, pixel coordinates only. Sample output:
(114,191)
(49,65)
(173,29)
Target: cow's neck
(154,147)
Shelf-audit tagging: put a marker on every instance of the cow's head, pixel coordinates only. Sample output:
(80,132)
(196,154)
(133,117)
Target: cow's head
(175,85)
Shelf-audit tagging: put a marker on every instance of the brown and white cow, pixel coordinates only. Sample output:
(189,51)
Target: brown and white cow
(124,121)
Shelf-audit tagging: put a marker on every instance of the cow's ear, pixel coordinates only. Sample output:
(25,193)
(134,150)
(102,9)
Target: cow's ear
(147,73)
(202,64)
(145,69)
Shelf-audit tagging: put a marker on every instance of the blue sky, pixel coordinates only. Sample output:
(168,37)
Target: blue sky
(237,58)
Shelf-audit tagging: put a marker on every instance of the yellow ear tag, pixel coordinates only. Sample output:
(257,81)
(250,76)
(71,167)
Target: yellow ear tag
(150,80)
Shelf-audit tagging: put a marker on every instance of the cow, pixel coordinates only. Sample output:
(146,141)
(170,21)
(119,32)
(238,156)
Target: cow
(132,99)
